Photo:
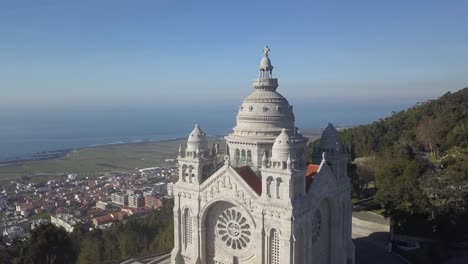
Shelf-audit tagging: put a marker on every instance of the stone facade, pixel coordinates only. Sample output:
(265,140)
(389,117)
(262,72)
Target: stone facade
(262,204)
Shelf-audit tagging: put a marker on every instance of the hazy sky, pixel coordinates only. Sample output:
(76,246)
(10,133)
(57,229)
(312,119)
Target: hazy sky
(175,51)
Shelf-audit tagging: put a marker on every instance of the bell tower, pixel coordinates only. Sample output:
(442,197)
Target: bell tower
(282,175)
(197,161)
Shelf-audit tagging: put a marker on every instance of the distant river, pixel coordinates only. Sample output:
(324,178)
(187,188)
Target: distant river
(24,132)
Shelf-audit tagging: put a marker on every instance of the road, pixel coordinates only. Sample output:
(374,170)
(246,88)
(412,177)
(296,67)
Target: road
(370,235)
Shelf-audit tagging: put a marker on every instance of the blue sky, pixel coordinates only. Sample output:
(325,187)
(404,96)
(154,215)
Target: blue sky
(204,51)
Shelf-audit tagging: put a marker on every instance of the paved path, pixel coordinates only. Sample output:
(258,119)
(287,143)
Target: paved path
(370,235)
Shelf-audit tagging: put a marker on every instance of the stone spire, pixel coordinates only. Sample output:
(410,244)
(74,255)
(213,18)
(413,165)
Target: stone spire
(264,160)
(289,162)
(181,151)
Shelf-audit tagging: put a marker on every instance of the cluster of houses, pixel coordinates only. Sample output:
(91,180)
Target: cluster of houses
(97,202)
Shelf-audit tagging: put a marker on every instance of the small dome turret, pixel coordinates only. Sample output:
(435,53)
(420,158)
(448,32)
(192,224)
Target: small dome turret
(282,148)
(330,139)
(197,140)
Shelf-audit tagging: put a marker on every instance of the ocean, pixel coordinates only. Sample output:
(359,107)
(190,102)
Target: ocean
(25,132)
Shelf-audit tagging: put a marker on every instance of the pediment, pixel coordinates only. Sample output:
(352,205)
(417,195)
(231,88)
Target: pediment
(227,183)
(324,181)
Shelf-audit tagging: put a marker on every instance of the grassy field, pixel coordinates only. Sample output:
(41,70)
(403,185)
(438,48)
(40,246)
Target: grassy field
(96,160)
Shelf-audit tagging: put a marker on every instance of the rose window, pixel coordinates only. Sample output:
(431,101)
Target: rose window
(316,223)
(234,229)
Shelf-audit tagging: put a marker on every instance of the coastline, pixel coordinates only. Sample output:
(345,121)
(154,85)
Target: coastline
(312,133)
(59,153)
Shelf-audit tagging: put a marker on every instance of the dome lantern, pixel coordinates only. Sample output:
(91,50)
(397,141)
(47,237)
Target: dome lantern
(265,67)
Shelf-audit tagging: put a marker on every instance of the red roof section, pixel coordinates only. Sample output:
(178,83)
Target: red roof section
(103,219)
(251,178)
(311,171)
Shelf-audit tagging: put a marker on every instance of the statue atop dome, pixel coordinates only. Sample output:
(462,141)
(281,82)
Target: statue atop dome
(266,49)
(265,66)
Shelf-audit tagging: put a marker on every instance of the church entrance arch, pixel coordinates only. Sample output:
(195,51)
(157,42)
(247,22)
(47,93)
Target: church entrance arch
(227,234)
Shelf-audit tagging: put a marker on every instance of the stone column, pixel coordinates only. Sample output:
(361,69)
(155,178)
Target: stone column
(176,257)
(260,240)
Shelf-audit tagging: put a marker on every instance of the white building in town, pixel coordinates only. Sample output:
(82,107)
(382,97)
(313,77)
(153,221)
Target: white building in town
(160,187)
(262,204)
(67,221)
(120,199)
(170,188)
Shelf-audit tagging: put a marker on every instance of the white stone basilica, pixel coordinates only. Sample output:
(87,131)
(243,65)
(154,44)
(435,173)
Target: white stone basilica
(263,203)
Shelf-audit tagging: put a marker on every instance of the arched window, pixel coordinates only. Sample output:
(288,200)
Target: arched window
(237,156)
(191,173)
(184,173)
(274,247)
(242,158)
(187,222)
(268,186)
(249,156)
(278,184)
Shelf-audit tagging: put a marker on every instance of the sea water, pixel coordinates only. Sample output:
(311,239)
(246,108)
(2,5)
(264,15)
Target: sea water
(26,131)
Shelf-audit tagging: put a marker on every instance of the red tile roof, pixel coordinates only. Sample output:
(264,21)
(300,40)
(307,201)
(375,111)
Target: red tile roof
(103,220)
(311,171)
(250,178)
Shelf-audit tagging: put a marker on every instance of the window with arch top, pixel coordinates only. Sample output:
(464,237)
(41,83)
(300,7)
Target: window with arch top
(274,247)
(279,181)
(187,222)
(269,181)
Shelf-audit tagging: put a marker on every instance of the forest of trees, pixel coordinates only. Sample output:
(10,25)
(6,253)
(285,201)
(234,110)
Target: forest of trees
(48,244)
(419,161)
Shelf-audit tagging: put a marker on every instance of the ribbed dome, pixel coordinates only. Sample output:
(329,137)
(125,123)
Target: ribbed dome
(260,120)
(283,147)
(264,113)
(197,140)
(330,138)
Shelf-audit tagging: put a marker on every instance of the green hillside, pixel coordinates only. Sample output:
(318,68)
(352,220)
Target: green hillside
(435,125)
(419,158)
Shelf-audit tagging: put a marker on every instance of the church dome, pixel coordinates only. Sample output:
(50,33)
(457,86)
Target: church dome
(330,138)
(265,111)
(283,148)
(260,120)
(197,140)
